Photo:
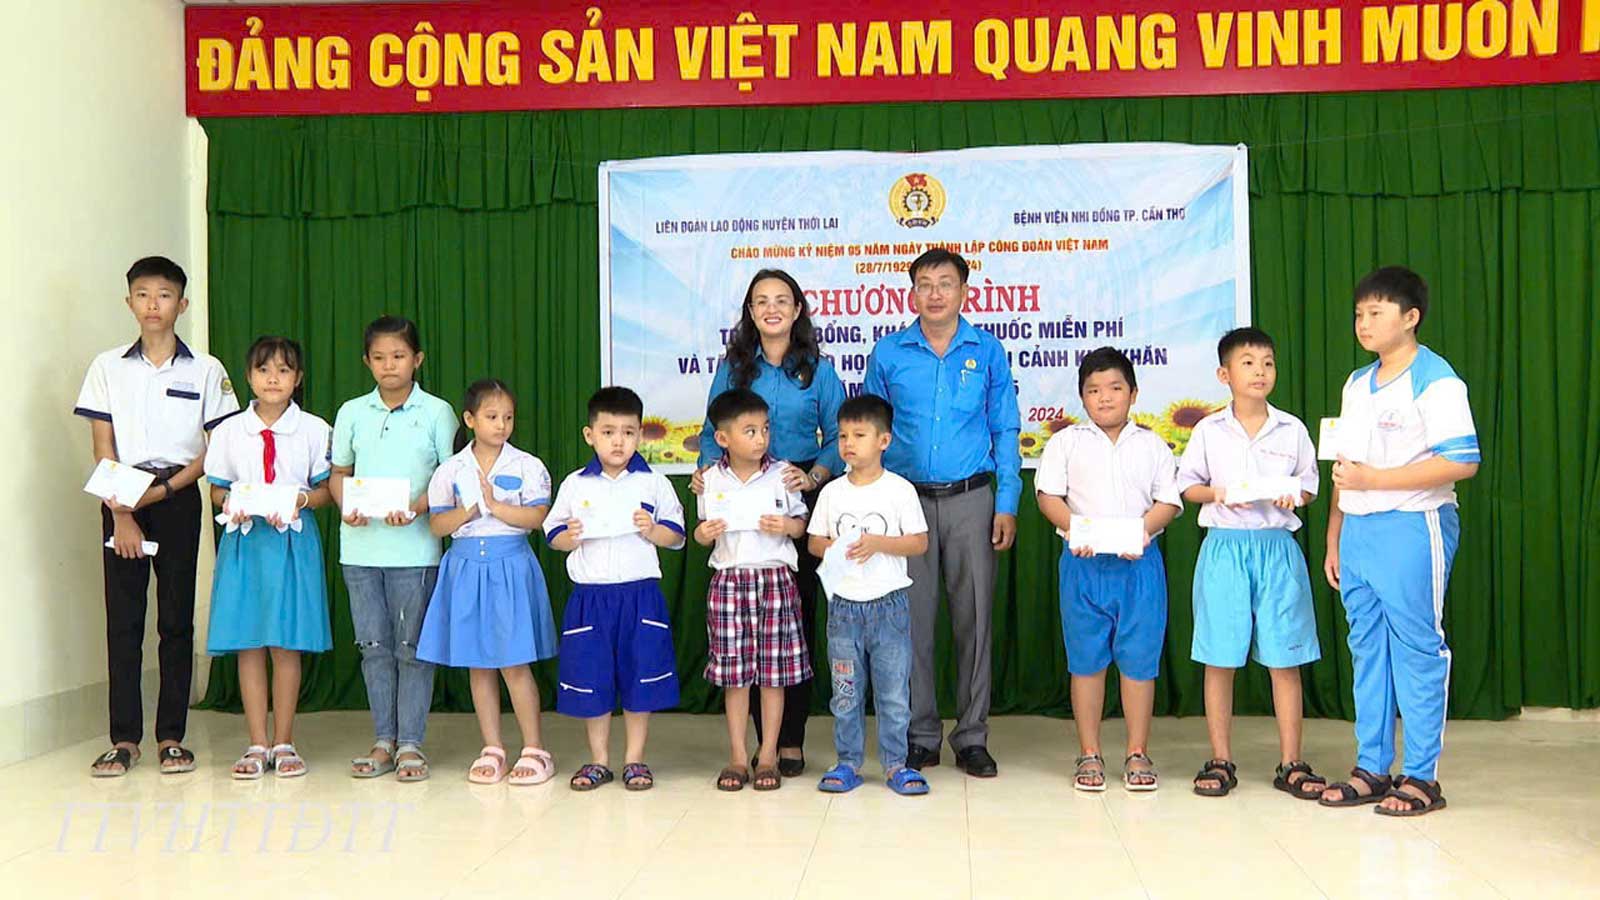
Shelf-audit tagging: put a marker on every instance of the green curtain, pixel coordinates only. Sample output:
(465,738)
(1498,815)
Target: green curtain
(483,228)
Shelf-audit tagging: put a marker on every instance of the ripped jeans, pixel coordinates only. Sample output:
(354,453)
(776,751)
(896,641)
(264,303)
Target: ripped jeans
(869,645)
(386,607)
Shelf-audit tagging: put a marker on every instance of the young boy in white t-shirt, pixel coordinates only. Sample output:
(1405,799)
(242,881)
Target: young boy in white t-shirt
(877,516)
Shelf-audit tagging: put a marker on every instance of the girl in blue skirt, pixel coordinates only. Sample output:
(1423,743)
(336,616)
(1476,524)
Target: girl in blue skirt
(490,610)
(269,593)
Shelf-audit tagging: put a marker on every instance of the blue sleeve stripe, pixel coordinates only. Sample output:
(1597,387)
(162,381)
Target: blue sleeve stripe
(319,479)
(219,482)
(91,413)
(436,510)
(649,508)
(539,501)
(673,525)
(1462,456)
(553,533)
(1458,449)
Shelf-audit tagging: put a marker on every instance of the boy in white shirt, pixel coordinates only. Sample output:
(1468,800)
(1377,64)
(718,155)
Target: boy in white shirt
(1392,536)
(1251,576)
(616,640)
(879,516)
(753,603)
(1113,607)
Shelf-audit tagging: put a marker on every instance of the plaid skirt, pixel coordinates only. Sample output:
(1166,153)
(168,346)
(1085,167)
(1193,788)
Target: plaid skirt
(753,628)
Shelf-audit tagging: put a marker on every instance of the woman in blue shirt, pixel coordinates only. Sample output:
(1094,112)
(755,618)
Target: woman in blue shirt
(774,353)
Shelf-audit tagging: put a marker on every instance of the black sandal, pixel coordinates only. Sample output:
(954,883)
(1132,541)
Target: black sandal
(637,777)
(1297,789)
(120,755)
(1349,796)
(1416,806)
(178,754)
(792,768)
(1221,771)
(590,776)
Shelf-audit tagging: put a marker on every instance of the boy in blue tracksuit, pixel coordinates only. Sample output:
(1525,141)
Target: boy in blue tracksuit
(1408,437)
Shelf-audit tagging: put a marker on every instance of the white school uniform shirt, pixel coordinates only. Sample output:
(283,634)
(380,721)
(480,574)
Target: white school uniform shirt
(159,414)
(627,557)
(1421,412)
(1101,478)
(517,477)
(1221,453)
(752,548)
(888,506)
(302,448)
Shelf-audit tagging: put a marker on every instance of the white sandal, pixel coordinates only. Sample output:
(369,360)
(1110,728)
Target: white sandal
(410,770)
(258,761)
(283,753)
(490,758)
(540,761)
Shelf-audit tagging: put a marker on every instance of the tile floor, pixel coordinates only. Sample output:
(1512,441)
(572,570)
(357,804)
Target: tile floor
(1025,834)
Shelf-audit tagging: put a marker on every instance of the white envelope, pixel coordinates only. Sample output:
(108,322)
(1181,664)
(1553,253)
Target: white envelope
(375,498)
(1347,437)
(264,500)
(1263,487)
(742,509)
(1108,534)
(114,481)
(150,547)
(605,520)
(836,571)
(470,491)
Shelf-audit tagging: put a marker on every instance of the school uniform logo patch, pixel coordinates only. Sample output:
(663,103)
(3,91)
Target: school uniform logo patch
(227,386)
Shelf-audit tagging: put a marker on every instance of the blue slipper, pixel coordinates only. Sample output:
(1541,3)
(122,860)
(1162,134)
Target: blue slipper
(908,783)
(844,780)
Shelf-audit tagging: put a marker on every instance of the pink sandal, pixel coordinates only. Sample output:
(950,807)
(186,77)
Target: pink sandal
(491,757)
(539,762)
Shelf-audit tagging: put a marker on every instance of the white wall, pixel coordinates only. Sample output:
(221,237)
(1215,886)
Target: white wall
(98,166)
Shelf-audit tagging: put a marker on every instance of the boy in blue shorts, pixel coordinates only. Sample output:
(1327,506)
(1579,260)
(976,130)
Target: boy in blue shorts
(616,640)
(1113,607)
(1392,535)
(1250,465)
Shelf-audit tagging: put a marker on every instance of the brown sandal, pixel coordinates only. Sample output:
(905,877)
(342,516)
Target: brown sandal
(1431,800)
(731,779)
(768,779)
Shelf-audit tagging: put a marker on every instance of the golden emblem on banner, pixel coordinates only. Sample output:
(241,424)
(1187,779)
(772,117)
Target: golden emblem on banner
(917,200)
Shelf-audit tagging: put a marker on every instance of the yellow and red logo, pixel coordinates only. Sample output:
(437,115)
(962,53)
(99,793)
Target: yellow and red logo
(917,200)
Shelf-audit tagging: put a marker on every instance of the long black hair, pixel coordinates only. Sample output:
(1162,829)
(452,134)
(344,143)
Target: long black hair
(477,392)
(744,349)
(266,347)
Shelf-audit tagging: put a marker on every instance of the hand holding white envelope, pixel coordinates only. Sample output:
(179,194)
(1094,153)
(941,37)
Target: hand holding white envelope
(742,509)
(150,548)
(469,488)
(118,483)
(605,520)
(835,568)
(264,500)
(1118,535)
(376,498)
(1347,437)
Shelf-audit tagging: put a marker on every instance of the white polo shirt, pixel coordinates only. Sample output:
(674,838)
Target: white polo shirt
(517,477)
(301,442)
(752,548)
(159,414)
(1421,412)
(1099,478)
(1221,453)
(628,557)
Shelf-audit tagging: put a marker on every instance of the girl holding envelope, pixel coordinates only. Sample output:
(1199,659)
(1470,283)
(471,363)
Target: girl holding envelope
(266,466)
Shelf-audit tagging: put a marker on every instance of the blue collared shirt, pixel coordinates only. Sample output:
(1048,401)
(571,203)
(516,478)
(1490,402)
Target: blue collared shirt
(796,413)
(954,416)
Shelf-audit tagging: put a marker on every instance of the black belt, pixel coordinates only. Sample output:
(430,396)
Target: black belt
(952,488)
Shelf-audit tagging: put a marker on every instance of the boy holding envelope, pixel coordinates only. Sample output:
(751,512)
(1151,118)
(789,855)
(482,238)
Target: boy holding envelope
(1249,465)
(750,520)
(1103,482)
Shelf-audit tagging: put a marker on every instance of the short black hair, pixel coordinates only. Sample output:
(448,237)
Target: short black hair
(868,408)
(617,401)
(1242,337)
(938,256)
(399,326)
(159,267)
(268,346)
(730,405)
(1104,359)
(1397,284)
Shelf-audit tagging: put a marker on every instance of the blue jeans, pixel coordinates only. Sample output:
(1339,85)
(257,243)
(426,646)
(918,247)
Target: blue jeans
(869,645)
(386,608)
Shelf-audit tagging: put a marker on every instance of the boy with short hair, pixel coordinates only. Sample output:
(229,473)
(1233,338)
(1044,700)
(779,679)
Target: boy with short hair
(877,513)
(1112,607)
(611,516)
(1251,576)
(753,603)
(1392,536)
(150,405)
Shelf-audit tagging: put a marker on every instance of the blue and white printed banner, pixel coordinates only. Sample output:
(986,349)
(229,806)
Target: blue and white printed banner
(1144,247)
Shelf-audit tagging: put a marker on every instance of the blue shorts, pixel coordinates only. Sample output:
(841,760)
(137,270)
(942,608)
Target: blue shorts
(616,642)
(1253,583)
(1113,608)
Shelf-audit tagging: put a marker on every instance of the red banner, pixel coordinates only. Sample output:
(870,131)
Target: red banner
(494,55)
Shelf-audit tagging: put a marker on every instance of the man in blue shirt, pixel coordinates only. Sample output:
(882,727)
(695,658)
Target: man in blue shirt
(955,430)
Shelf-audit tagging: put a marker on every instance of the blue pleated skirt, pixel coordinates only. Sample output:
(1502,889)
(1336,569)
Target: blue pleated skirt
(490,607)
(270,590)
